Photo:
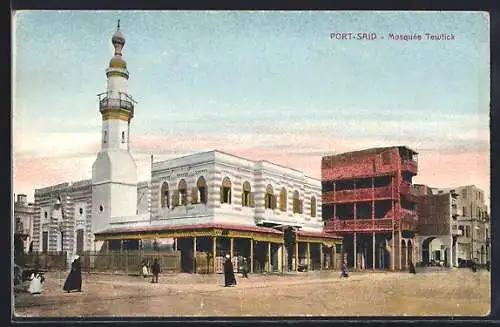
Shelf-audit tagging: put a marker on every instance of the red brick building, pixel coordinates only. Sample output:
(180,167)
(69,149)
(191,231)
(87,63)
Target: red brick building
(368,199)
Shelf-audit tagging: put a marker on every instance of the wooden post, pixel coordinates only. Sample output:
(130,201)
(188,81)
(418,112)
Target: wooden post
(194,254)
(107,246)
(231,248)
(214,252)
(251,255)
(269,257)
(334,256)
(355,251)
(282,250)
(126,262)
(321,256)
(399,246)
(373,251)
(309,266)
(175,244)
(296,255)
(121,245)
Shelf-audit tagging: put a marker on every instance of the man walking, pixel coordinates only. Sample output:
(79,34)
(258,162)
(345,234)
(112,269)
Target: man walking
(155,269)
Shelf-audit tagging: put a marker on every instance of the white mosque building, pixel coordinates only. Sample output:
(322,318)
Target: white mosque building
(210,201)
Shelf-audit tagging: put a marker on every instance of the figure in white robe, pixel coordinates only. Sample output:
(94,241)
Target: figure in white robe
(145,271)
(35,286)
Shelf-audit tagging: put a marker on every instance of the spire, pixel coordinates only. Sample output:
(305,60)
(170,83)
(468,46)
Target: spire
(118,40)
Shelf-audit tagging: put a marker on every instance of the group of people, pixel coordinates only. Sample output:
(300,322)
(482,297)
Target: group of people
(154,270)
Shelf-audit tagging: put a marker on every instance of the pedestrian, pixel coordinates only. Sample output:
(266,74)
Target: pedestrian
(36,281)
(144,269)
(412,268)
(74,280)
(244,268)
(229,279)
(474,266)
(155,269)
(344,272)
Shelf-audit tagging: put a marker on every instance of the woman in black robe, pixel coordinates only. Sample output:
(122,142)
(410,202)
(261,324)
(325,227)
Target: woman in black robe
(229,279)
(412,268)
(74,280)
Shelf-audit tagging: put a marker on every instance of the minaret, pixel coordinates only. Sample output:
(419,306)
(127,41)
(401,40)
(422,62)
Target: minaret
(114,172)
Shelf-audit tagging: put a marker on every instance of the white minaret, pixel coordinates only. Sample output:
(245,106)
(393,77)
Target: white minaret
(114,172)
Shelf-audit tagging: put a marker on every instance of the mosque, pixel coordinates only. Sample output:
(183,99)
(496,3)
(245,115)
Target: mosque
(212,202)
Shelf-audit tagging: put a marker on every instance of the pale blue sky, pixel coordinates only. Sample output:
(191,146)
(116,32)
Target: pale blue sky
(258,73)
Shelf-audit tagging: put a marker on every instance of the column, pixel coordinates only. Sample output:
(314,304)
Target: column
(399,246)
(214,252)
(231,242)
(373,251)
(269,257)
(107,246)
(334,257)
(175,244)
(406,256)
(309,266)
(456,254)
(296,255)
(121,245)
(282,259)
(321,256)
(451,259)
(251,255)
(393,250)
(355,251)
(194,254)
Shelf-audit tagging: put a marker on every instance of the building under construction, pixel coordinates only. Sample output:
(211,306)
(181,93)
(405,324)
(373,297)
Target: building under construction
(368,199)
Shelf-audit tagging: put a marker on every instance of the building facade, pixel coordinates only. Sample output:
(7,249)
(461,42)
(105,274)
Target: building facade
(472,223)
(368,199)
(217,203)
(437,237)
(24,213)
(447,232)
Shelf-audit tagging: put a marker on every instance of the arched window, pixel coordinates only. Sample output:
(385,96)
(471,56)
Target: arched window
(296,202)
(123,137)
(200,191)
(164,196)
(182,192)
(283,199)
(225,191)
(313,206)
(246,195)
(105,137)
(270,198)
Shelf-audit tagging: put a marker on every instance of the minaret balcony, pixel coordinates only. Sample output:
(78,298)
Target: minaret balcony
(108,101)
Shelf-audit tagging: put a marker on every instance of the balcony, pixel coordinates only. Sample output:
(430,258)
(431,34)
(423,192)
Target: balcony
(407,223)
(361,194)
(409,165)
(121,100)
(358,225)
(455,211)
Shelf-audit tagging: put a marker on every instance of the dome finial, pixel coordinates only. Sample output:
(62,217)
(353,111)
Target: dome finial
(118,25)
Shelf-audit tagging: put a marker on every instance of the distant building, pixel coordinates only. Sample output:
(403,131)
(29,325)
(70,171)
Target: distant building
(368,199)
(436,237)
(23,219)
(447,232)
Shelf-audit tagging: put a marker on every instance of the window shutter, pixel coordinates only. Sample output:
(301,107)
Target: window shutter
(194,195)
(252,202)
(243,199)
(273,202)
(175,199)
(221,195)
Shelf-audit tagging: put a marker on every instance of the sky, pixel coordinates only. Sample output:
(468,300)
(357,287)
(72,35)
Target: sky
(263,85)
